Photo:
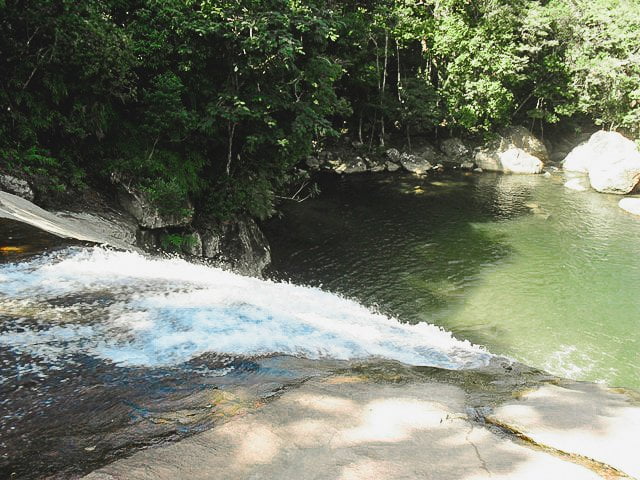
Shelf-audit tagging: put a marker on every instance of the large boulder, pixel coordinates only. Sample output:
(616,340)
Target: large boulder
(519,137)
(578,159)
(510,160)
(238,243)
(415,164)
(17,187)
(611,160)
(151,215)
(515,151)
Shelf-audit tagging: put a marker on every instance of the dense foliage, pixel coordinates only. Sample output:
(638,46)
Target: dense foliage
(219,99)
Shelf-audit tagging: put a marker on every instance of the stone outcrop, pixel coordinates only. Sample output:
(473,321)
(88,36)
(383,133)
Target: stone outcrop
(455,150)
(238,243)
(516,150)
(16,186)
(611,161)
(578,419)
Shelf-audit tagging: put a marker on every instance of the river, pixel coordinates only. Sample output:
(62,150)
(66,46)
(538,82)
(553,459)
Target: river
(519,264)
(103,352)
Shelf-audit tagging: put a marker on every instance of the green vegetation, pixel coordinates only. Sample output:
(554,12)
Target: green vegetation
(218,100)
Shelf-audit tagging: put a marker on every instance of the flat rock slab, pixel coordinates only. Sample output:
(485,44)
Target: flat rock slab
(340,428)
(83,227)
(582,419)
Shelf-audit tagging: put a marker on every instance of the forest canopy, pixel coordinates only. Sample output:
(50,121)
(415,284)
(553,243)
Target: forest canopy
(218,100)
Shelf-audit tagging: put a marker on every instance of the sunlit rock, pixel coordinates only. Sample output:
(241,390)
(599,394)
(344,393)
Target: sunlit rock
(611,160)
(515,151)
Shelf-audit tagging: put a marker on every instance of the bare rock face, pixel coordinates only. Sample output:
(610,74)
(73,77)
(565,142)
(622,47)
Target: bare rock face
(238,243)
(516,151)
(17,187)
(611,160)
(148,213)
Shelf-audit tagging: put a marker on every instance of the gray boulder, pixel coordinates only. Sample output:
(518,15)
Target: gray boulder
(148,213)
(353,165)
(615,165)
(578,159)
(17,187)
(393,155)
(415,164)
(392,167)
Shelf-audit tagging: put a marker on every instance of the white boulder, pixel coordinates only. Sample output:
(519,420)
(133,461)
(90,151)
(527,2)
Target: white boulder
(611,160)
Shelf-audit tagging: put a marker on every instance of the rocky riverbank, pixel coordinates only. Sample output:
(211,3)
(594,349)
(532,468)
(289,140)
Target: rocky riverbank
(135,223)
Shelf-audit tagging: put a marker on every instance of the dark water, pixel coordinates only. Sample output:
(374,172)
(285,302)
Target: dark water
(520,264)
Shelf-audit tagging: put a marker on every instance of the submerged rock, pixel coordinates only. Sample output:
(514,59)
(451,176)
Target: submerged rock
(631,205)
(611,161)
(16,186)
(577,184)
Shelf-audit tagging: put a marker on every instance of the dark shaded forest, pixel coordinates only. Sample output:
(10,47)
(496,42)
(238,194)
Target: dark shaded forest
(219,100)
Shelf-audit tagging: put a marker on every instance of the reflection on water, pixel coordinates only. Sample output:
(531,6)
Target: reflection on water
(520,264)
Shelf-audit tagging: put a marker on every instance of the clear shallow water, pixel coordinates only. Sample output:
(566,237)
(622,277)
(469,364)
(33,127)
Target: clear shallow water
(519,264)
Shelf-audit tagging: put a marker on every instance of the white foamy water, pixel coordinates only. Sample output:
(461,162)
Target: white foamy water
(136,311)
